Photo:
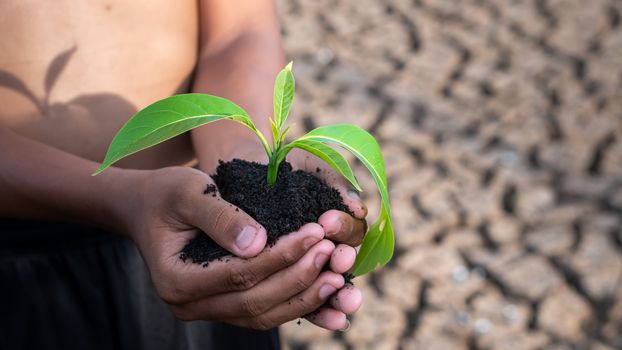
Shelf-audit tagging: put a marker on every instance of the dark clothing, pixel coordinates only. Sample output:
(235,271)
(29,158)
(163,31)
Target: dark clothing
(64,287)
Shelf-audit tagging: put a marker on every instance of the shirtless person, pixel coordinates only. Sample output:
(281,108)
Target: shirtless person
(71,73)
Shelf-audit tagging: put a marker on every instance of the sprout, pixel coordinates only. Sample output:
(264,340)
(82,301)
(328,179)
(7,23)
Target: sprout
(177,114)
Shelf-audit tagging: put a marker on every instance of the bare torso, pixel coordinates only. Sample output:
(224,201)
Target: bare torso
(72,72)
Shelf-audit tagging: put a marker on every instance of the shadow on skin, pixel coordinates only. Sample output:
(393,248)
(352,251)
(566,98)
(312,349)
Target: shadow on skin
(96,105)
(93,118)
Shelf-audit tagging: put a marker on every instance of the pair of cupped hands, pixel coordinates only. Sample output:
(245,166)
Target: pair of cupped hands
(260,287)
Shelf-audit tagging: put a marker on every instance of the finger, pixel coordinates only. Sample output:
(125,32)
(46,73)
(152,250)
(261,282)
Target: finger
(342,259)
(330,319)
(301,304)
(347,300)
(343,228)
(187,282)
(228,225)
(272,291)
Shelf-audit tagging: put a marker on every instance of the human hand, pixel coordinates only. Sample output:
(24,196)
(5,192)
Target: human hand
(261,290)
(340,227)
(347,230)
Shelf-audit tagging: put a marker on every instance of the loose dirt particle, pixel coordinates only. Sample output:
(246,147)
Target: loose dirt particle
(210,189)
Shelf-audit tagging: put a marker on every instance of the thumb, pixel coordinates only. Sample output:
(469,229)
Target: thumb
(228,225)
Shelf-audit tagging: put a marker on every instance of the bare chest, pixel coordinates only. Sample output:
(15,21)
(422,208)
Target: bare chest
(71,72)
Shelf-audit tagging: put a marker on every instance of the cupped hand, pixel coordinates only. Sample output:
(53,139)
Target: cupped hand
(257,288)
(340,227)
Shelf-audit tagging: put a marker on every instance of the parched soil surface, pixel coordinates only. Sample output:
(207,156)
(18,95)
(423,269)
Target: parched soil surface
(501,126)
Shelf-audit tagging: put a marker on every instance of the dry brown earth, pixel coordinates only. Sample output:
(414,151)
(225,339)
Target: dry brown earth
(501,124)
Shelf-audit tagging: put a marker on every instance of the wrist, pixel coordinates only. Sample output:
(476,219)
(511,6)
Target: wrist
(120,196)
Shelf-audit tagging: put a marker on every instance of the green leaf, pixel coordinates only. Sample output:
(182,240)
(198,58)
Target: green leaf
(283,95)
(168,118)
(377,247)
(330,156)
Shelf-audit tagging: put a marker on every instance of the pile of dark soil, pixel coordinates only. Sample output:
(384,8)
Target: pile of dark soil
(295,199)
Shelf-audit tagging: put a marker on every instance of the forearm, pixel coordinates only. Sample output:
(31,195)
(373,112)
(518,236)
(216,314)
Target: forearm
(241,68)
(41,182)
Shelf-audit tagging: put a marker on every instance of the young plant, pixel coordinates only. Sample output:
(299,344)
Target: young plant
(177,114)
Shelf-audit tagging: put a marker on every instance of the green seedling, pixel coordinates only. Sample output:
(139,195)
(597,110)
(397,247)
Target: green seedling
(177,114)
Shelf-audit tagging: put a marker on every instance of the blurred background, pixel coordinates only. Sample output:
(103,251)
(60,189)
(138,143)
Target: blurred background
(501,126)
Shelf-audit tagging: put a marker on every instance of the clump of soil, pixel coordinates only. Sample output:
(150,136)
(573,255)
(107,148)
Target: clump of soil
(295,199)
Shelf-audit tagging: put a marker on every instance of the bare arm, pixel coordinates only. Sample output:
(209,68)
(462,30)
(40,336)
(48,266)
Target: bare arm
(41,182)
(240,54)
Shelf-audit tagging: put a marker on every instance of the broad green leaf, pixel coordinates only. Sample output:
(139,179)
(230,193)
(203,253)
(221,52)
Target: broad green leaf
(330,156)
(377,247)
(168,118)
(283,95)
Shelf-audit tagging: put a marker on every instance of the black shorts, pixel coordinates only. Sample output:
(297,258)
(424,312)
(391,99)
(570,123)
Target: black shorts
(64,286)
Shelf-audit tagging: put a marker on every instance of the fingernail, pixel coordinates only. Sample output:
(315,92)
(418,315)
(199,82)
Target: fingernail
(338,227)
(346,327)
(326,291)
(246,237)
(353,194)
(320,260)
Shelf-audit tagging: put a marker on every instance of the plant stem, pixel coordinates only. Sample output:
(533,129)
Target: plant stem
(273,158)
(273,163)
(273,169)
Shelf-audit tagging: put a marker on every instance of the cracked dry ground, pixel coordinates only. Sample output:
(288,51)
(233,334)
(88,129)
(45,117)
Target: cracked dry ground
(501,125)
